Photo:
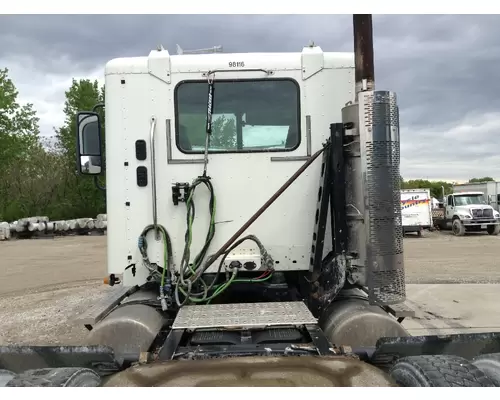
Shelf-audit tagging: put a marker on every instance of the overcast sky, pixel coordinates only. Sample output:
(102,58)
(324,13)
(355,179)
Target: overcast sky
(445,69)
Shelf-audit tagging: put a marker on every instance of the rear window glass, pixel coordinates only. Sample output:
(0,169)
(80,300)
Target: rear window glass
(248,116)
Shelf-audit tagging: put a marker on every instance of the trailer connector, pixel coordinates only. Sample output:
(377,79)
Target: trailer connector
(180,192)
(165,299)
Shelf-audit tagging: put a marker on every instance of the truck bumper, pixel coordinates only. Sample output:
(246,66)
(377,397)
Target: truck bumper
(479,222)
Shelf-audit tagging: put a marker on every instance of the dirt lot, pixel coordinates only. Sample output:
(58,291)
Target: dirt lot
(46,283)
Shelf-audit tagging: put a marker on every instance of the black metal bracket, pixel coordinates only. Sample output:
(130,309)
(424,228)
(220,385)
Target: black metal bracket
(97,184)
(324,280)
(337,191)
(180,192)
(323,346)
(171,344)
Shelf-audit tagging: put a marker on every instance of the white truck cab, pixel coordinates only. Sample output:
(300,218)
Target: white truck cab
(271,112)
(469,211)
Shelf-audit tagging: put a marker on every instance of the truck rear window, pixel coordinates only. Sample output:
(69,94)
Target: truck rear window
(248,116)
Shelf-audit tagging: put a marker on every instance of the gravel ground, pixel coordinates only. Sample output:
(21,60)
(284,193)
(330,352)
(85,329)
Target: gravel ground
(46,283)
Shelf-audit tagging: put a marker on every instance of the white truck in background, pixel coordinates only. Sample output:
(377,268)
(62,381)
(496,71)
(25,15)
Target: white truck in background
(467,212)
(416,210)
(490,189)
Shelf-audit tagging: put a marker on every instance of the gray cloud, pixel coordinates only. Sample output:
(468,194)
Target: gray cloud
(443,67)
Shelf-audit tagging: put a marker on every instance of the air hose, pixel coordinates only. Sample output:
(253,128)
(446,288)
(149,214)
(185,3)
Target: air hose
(165,277)
(191,274)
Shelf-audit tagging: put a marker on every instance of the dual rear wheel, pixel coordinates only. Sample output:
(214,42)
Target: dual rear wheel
(447,371)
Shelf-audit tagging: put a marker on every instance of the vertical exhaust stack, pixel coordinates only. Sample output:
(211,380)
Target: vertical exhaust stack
(372,157)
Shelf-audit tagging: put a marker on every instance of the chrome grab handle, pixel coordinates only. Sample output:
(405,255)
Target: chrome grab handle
(153,176)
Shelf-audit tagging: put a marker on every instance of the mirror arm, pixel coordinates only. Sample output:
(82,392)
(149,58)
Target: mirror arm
(95,109)
(97,184)
(97,106)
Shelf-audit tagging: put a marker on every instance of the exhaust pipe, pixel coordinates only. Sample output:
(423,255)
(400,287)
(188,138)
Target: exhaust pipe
(364,70)
(372,157)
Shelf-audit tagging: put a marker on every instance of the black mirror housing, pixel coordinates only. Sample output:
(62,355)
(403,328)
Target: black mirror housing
(88,144)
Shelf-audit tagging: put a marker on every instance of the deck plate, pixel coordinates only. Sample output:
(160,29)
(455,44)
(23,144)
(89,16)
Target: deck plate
(243,315)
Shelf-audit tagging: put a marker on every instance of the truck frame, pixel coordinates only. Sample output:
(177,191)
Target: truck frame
(311,293)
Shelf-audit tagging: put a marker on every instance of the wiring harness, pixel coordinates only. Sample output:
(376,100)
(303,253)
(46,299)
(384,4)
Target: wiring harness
(189,285)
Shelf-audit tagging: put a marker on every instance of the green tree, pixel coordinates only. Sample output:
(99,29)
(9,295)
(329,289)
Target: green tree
(18,123)
(83,95)
(19,132)
(224,133)
(485,179)
(223,130)
(434,186)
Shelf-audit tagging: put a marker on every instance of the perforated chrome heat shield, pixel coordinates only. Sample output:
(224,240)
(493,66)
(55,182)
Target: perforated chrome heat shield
(380,167)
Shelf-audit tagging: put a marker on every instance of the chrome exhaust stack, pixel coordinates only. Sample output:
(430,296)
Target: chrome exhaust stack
(372,157)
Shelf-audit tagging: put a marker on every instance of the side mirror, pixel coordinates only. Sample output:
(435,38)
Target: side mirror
(88,143)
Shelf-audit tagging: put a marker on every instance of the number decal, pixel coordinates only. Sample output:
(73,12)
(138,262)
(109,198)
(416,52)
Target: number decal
(236,64)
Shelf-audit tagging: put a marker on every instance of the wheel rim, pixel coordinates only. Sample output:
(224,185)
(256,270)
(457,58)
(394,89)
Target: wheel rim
(456,228)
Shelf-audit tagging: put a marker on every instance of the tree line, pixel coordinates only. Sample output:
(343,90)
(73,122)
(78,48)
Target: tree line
(38,173)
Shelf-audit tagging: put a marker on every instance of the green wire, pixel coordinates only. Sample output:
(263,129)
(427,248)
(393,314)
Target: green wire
(196,264)
(215,294)
(165,255)
(224,286)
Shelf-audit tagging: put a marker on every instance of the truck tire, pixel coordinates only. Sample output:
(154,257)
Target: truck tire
(438,371)
(493,229)
(457,227)
(489,364)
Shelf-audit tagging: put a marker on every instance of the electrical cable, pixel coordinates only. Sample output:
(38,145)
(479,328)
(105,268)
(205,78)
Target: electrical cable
(266,260)
(190,275)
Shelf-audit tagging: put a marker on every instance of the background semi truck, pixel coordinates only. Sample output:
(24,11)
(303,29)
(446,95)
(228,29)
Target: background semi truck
(238,263)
